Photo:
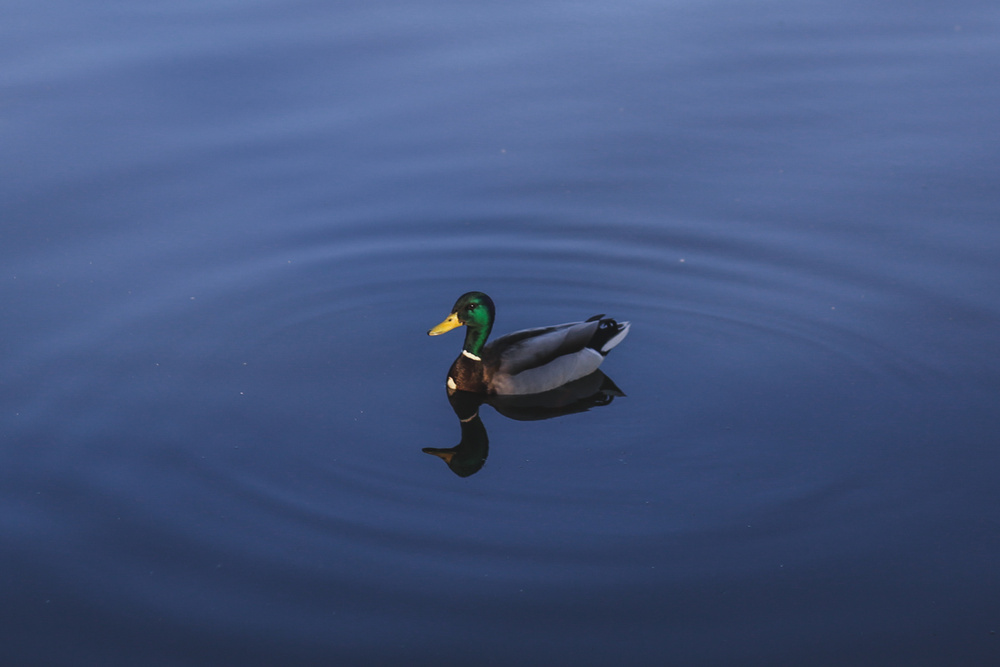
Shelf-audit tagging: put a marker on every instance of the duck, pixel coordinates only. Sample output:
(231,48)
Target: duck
(531,361)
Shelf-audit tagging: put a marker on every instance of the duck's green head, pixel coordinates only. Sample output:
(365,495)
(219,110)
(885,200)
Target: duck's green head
(476,311)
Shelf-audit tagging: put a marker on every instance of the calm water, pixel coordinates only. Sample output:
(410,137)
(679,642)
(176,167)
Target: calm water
(228,226)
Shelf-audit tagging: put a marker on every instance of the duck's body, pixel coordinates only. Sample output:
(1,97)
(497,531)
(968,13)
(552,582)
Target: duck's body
(531,361)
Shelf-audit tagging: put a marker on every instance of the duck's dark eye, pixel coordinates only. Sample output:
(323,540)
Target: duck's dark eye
(471,306)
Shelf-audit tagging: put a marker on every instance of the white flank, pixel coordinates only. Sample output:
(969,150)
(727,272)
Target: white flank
(553,374)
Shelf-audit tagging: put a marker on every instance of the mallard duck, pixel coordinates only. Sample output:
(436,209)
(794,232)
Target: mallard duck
(531,361)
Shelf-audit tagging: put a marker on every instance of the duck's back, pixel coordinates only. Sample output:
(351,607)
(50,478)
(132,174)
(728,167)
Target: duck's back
(532,348)
(536,360)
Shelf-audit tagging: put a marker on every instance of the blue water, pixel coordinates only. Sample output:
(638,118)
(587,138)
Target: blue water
(228,226)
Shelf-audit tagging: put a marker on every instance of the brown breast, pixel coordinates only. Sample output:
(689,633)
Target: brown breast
(467,375)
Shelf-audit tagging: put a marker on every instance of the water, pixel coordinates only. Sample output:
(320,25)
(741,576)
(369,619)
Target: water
(228,226)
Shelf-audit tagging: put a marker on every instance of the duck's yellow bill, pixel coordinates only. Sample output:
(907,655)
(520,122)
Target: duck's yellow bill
(450,323)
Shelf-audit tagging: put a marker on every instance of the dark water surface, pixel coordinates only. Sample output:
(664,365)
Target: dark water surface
(228,226)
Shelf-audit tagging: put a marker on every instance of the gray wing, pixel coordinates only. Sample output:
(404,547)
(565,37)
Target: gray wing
(532,348)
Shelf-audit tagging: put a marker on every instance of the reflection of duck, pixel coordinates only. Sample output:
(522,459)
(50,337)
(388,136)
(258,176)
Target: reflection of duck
(524,362)
(469,455)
